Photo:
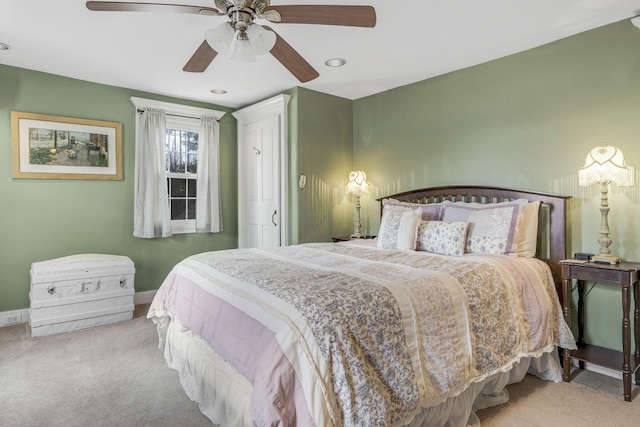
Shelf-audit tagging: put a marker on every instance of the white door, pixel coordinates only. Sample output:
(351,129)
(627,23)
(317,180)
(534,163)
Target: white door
(260,155)
(262,173)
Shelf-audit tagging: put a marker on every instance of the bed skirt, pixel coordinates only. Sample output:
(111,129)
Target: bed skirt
(224,395)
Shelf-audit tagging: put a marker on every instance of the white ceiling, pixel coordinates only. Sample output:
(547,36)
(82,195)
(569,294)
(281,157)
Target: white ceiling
(413,40)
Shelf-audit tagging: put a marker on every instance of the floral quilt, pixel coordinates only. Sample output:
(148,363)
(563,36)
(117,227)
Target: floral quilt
(371,336)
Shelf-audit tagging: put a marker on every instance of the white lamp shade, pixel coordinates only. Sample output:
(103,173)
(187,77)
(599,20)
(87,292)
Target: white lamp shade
(357,184)
(605,164)
(262,40)
(242,50)
(220,37)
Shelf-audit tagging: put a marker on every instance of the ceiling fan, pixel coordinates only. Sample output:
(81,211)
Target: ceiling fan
(243,38)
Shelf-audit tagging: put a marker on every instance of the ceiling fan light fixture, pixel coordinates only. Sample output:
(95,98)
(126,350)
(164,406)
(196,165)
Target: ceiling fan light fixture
(242,50)
(271,15)
(262,40)
(231,37)
(220,37)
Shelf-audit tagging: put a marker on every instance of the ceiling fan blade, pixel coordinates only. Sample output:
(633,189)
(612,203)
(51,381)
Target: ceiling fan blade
(201,59)
(292,60)
(351,16)
(114,6)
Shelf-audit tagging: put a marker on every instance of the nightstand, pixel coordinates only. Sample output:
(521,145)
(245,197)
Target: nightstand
(347,238)
(625,275)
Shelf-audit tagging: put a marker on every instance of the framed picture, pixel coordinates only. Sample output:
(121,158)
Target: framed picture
(53,147)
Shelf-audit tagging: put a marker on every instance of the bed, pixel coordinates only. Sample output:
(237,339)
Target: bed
(456,298)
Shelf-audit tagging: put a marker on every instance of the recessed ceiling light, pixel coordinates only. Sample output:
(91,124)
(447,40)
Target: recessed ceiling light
(218,91)
(335,62)
(4,46)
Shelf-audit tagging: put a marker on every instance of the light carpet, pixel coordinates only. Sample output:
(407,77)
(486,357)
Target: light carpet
(115,375)
(590,399)
(111,375)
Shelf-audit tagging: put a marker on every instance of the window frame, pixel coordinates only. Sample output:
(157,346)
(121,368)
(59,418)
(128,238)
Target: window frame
(188,124)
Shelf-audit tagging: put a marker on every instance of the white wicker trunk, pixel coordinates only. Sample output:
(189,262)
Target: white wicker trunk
(80,291)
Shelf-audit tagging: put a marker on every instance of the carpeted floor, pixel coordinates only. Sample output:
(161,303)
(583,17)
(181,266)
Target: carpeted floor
(115,376)
(110,375)
(590,399)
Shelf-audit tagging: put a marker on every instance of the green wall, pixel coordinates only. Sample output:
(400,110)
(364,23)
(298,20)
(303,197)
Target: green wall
(321,132)
(525,121)
(45,219)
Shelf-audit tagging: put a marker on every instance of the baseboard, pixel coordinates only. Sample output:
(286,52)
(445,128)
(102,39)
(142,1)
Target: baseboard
(598,369)
(15,317)
(144,297)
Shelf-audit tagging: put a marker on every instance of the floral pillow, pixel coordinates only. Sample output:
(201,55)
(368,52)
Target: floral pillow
(493,227)
(442,237)
(429,212)
(398,228)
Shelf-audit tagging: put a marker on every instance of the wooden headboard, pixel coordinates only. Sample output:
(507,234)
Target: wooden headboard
(552,229)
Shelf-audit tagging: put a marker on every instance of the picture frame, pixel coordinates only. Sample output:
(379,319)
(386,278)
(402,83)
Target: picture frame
(54,147)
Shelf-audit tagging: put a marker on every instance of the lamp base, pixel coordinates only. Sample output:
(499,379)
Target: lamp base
(605,259)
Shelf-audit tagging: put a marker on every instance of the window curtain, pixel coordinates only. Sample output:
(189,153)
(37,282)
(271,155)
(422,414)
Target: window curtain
(208,217)
(151,216)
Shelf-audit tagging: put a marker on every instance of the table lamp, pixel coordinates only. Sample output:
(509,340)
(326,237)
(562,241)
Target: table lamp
(357,186)
(604,165)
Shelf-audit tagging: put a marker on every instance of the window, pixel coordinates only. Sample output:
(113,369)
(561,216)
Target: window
(177,192)
(181,165)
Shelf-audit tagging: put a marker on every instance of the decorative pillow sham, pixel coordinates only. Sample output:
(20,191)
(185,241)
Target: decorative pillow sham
(442,237)
(528,234)
(493,227)
(398,228)
(429,212)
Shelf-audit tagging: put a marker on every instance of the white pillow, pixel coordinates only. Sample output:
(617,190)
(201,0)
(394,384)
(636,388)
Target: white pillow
(430,211)
(493,227)
(442,237)
(528,234)
(398,228)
